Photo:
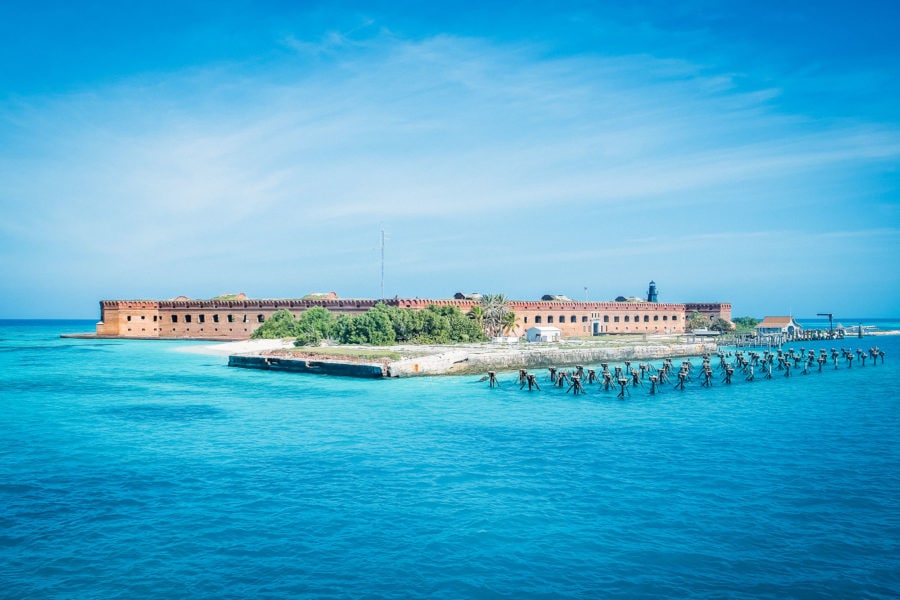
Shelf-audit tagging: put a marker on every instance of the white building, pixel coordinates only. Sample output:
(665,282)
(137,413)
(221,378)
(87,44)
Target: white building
(785,325)
(542,334)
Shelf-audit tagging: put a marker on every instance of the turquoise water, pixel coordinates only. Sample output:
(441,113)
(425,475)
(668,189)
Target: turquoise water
(131,470)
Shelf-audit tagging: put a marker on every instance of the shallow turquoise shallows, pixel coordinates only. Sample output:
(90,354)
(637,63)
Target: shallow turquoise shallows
(133,470)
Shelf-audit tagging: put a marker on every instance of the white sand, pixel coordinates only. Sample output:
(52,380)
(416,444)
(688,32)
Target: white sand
(227,348)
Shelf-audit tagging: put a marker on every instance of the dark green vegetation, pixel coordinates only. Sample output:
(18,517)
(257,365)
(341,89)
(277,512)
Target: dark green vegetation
(381,326)
(493,315)
(745,323)
(698,321)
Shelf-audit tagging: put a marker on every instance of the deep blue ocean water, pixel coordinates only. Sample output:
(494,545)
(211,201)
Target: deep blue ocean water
(131,470)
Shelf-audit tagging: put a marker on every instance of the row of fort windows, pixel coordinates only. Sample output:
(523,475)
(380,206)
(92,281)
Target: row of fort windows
(215,318)
(202,318)
(538,319)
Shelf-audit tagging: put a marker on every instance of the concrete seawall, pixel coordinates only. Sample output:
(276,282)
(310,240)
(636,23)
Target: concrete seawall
(462,362)
(305,365)
(469,360)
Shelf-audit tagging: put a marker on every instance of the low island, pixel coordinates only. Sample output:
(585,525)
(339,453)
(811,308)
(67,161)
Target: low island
(394,342)
(463,359)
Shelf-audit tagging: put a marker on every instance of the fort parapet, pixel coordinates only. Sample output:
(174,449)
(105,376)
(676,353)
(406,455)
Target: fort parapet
(712,310)
(238,319)
(206,319)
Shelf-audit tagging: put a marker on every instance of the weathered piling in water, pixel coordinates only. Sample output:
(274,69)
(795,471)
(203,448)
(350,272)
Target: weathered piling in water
(492,378)
(531,382)
(682,376)
(635,378)
(576,386)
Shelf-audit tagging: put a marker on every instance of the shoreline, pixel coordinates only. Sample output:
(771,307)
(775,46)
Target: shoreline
(461,359)
(453,359)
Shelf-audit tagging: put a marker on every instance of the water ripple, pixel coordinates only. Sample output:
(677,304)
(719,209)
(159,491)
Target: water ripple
(165,412)
(136,472)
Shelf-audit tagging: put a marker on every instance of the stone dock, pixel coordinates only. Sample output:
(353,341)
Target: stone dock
(468,359)
(319,366)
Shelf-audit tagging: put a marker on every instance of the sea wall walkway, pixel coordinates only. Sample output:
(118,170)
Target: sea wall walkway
(467,360)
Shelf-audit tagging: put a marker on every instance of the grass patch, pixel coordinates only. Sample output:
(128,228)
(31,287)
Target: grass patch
(346,352)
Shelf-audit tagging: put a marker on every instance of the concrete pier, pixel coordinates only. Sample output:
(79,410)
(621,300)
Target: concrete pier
(470,360)
(305,365)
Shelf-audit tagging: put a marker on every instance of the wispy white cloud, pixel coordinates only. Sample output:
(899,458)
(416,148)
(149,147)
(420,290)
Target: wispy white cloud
(215,163)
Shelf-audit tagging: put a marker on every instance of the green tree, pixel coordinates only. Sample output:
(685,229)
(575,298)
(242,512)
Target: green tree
(476,313)
(494,307)
(745,323)
(372,327)
(344,330)
(314,325)
(386,325)
(462,327)
(508,322)
(435,327)
(698,321)
(407,323)
(280,325)
(720,324)
(379,326)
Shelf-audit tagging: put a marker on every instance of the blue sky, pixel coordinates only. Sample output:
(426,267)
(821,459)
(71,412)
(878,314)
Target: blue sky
(746,154)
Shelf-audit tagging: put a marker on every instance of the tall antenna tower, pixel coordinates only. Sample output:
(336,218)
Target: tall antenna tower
(382,265)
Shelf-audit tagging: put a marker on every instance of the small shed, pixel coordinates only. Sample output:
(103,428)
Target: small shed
(704,332)
(785,325)
(542,334)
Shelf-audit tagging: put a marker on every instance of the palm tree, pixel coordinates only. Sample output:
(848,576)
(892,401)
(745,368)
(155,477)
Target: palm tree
(494,307)
(476,313)
(508,322)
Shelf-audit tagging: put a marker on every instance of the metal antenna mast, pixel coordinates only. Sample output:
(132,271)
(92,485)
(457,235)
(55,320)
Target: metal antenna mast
(382,265)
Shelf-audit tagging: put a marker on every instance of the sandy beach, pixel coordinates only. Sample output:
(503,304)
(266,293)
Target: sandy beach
(240,347)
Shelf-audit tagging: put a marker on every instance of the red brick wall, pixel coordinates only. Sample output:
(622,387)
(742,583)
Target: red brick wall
(129,318)
(238,319)
(709,309)
(578,318)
